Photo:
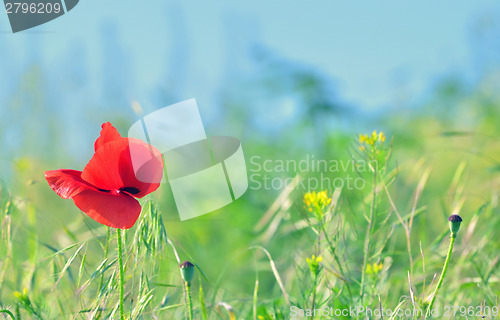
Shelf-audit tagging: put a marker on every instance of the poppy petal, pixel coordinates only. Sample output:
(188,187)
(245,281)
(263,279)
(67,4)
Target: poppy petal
(108,134)
(66,183)
(116,210)
(128,165)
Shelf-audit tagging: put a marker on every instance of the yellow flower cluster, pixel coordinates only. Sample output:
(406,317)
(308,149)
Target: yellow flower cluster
(374,268)
(314,259)
(313,263)
(316,202)
(20,295)
(372,139)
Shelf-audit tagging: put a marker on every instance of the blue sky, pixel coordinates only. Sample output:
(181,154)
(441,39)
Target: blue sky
(368,48)
(102,55)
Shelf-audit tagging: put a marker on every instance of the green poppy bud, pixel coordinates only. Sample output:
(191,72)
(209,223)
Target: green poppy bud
(454,220)
(187,271)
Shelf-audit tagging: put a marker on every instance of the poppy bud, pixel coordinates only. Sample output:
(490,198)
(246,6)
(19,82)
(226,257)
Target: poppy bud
(454,220)
(187,271)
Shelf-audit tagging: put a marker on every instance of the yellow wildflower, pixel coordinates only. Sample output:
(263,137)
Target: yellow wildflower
(20,295)
(374,268)
(313,263)
(317,202)
(381,136)
(371,140)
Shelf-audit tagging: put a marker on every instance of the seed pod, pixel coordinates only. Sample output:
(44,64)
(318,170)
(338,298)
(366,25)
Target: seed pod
(187,271)
(454,220)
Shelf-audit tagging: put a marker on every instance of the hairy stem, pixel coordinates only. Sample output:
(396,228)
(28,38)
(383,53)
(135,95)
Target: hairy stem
(189,304)
(120,264)
(443,273)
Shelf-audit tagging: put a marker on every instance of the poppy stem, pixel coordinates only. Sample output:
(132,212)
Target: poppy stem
(120,264)
(189,302)
(443,273)
(454,222)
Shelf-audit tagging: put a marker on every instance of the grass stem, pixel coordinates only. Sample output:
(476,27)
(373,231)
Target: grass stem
(335,256)
(9,313)
(106,252)
(369,228)
(315,287)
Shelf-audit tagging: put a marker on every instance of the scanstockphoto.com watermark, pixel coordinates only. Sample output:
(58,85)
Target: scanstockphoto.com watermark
(358,312)
(361,312)
(275,174)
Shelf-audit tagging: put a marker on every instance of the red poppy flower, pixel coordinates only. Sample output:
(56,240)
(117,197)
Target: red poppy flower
(121,170)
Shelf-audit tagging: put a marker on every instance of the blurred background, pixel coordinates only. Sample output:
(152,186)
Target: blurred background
(254,67)
(286,78)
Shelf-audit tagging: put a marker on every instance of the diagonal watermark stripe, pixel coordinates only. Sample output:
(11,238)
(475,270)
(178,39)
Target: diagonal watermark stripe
(205,173)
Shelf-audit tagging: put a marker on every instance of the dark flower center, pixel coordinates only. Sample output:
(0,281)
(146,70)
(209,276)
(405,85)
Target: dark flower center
(131,190)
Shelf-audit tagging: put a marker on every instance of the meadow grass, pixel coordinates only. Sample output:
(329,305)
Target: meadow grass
(380,246)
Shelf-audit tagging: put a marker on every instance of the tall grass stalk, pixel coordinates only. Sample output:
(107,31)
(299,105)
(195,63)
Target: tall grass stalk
(255,290)
(203,307)
(9,313)
(275,272)
(369,229)
(106,252)
(314,289)
(337,260)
